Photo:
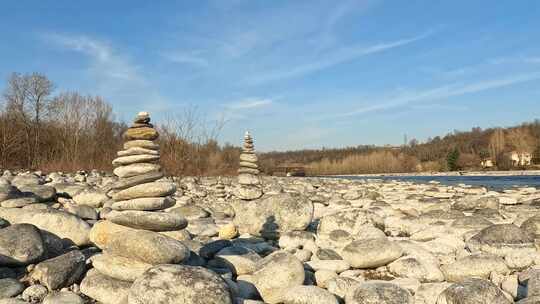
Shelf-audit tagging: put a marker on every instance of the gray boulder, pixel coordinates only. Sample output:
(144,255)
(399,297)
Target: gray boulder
(378,292)
(172,284)
(20,244)
(277,273)
(118,267)
(63,297)
(474,266)
(65,225)
(10,288)
(105,289)
(273,215)
(61,271)
(371,253)
(472,291)
(308,295)
(147,246)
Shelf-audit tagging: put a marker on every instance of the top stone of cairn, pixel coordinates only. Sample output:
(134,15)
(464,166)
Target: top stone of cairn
(141,129)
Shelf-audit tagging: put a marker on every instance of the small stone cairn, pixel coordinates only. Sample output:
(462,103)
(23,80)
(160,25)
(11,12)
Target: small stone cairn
(137,223)
(249,184)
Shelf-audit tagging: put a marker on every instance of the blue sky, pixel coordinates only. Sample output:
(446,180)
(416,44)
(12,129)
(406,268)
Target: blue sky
(297,74)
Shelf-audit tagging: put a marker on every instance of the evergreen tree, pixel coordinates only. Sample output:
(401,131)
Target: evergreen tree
(452,160)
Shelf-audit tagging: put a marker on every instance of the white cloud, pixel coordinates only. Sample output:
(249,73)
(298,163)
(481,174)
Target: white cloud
(341,55)
(187,58)
(106,61)
(249,103)
(445,91)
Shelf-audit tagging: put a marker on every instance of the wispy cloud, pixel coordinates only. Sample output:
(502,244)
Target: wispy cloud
(341,55)
(106,61)
(249,103)
(191,58)
(441,92)
(113,73)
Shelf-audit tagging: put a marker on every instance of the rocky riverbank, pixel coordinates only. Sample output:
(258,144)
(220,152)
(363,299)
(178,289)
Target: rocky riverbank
(458,173)
(137,237)
(306,240)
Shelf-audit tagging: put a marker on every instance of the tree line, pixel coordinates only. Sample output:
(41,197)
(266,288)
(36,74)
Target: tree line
(41,128)
(68,131)
(455,151)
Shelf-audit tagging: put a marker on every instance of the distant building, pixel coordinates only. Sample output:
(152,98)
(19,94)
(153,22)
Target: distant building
(521,158)
(289,170)
(486,163)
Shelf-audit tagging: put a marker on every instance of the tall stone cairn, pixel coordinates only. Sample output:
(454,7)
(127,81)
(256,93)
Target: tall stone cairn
(137,233)
(249,183)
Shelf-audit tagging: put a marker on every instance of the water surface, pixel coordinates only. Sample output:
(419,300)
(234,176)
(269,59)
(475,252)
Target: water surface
(490,182)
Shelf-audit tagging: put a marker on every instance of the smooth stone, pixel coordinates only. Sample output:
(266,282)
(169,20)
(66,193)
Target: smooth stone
(92,198)
(337,266)
(248,165)
(246,192)
(341,285)
(136,169)
(43,193)
(63,224)
(179,235)
(10,288)
(474,266)
(63,297)
(127,182)
(175,284)
(239,260)
(82,211)
(378,292)
(102,232)
(190,212)
(118,267)
(275,274)
(35,293)
(147,220)
(308,295)
(19,202)
(250,158)
(61,271)
(532,226)
(501,238)
(68,189)
(148,247)
(134,159)
(154,189)
(8,192)
(146,144)
(273,215)
(248,171)
(25,180)
(137,151)
(472,291)
(143,133)
(105,289)
(12,301)
(20,244)
(249,179)
(144,204)
(371,253)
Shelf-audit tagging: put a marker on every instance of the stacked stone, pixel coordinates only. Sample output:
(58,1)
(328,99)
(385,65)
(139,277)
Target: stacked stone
(135,235)
(220,192)
(249,183)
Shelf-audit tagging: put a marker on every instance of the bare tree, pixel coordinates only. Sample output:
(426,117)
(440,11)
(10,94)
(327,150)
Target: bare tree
(27,97)
(497,144)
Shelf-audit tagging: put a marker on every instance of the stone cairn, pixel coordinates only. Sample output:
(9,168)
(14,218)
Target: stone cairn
(249,184)
(140,233)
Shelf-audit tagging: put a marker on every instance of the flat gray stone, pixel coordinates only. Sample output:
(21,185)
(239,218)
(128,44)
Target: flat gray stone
(147,220)
(154,189)
(136,169)
(144,204)
(10,288)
